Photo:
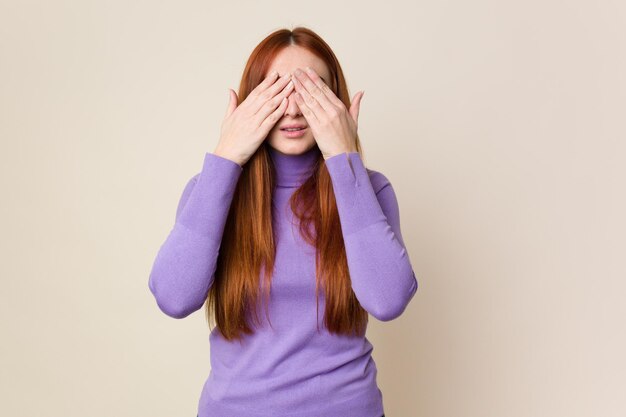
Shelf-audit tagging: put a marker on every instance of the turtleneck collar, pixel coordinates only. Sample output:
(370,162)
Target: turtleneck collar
(293,170)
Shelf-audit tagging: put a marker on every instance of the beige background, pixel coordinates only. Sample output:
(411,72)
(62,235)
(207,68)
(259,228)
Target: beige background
(499,123)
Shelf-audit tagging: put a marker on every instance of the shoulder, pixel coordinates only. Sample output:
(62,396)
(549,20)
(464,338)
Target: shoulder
(189,186)
(378,180)
(191,182)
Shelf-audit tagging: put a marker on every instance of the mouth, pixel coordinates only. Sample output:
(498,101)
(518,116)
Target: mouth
(293,131)
(293,128)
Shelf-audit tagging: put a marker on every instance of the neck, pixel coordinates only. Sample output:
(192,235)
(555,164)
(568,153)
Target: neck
(293,170)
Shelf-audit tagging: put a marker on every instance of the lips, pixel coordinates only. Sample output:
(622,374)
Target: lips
(293,126)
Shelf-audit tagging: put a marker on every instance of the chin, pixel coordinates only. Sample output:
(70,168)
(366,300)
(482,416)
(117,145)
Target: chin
(292,146)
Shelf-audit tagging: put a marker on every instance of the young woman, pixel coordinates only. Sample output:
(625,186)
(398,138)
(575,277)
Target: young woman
(285,208)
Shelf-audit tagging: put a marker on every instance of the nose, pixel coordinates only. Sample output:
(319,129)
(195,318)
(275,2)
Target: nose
(293,109)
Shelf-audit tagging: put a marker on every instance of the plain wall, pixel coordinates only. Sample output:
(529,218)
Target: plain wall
(499,123)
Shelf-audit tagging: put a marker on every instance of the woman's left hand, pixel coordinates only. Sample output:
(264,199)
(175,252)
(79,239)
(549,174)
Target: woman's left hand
(332,125)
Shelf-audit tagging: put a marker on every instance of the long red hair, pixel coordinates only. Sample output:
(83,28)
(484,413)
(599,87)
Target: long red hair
(248,246)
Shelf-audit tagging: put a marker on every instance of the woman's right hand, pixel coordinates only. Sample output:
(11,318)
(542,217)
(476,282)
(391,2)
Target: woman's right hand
(246,126)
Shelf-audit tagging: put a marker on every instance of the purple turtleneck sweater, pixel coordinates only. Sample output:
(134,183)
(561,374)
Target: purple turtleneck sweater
(290,370)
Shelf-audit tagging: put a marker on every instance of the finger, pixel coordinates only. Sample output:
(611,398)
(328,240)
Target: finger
(356,106)
(307,112)
(263,85)
(303,98)
(330,94)
(259,98)
(272,104)
(269,122)
(313,91)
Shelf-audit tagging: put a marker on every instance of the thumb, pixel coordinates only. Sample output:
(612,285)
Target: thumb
(356,105)
(232,102)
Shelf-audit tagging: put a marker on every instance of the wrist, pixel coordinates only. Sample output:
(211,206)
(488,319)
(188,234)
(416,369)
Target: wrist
(219,152)
(342,151)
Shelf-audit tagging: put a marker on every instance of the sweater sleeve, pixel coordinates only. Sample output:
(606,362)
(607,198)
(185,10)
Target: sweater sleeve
(184,268)
(382,277)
